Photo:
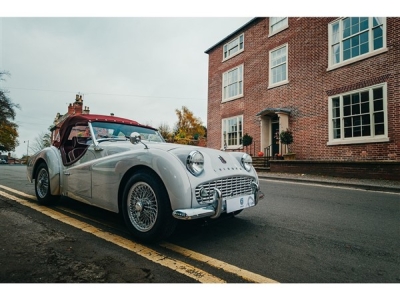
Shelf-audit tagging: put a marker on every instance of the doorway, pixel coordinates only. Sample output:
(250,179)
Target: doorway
(275,135)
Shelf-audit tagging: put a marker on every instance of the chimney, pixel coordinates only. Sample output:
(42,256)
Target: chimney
(86,110)
(78,108)
(71,109)
(78,104)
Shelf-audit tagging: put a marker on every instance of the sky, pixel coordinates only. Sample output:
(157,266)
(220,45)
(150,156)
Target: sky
(139,63)
(140,68)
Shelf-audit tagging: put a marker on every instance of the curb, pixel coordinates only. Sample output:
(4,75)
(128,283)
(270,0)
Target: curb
(369,187)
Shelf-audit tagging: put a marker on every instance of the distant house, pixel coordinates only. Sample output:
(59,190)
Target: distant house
(4,158)
(9,159)
(334,82)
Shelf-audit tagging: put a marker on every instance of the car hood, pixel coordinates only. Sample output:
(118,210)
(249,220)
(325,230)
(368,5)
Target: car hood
(222,162)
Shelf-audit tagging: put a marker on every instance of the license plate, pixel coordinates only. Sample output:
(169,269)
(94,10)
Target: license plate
(238,203)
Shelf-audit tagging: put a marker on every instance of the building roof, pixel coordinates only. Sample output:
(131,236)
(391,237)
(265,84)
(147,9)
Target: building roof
(232,34)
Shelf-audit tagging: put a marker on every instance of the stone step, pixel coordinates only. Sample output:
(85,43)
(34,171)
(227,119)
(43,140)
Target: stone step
(260,164)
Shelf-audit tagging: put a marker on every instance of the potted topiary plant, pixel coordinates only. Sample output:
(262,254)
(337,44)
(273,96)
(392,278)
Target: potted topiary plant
(286,137)
(247,140)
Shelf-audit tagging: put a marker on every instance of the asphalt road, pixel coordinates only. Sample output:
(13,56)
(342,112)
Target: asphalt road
(300,233)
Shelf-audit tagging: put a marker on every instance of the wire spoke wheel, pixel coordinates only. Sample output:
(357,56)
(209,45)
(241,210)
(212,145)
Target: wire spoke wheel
(142,206)
(42,183)
(42,186)
(146,207)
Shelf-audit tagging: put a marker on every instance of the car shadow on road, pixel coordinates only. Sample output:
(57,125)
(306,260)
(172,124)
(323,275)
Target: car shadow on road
(211,230)
(226,227)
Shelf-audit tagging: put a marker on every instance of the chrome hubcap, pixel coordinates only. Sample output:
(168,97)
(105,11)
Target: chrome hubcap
(138,206)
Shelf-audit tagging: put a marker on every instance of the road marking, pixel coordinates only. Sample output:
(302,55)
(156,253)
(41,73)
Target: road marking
(18,192)
(175,265)
(247,275)
(147,252)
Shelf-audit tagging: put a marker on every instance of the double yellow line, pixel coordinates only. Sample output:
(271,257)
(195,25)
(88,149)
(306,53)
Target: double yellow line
(175,265)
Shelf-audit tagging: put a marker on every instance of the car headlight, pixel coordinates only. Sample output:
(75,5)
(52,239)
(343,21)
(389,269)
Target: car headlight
(195,163)
(247,162)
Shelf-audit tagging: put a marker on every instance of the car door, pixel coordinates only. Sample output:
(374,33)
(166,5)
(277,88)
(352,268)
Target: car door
(79,177)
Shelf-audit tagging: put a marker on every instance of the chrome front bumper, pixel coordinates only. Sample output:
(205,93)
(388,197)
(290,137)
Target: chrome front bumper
(213,210)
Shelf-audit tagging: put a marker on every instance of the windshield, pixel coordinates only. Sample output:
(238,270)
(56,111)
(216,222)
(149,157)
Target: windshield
(104,130)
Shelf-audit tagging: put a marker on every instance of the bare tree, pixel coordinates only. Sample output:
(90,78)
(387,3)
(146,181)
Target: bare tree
(165,131)
(41,141)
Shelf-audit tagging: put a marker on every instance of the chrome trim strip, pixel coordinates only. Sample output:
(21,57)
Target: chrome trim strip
(213,211)
(217,203)
(193,213)
(256,190)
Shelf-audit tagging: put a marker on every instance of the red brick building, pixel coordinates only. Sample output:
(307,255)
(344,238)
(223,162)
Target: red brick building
(334,82)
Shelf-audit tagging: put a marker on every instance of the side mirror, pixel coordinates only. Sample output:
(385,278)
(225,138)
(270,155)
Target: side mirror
(135,138)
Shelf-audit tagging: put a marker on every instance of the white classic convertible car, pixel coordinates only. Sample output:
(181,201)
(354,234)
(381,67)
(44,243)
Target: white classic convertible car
(125,167)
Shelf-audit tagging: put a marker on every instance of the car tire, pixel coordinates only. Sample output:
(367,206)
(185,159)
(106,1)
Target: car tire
(146,208)
(42,186)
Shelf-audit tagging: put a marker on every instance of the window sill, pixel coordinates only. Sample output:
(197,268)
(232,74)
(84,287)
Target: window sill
(233,148)
(356,59)
(358,141)
(278,84)
(276,32)
(232,99)
(232,56)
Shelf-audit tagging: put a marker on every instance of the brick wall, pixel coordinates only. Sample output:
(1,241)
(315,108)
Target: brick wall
(388,170)
(306,94)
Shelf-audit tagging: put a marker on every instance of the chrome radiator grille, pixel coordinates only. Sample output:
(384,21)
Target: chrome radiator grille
(230,187)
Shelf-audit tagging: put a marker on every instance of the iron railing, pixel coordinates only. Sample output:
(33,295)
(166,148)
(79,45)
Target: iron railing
(253,150)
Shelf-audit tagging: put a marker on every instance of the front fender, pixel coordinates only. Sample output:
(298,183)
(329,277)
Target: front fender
(172,173)
(51,156)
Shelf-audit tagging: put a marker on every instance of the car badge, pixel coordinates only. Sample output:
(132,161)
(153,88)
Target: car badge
(222,159)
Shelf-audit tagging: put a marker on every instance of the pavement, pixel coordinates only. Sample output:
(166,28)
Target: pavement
(367,184)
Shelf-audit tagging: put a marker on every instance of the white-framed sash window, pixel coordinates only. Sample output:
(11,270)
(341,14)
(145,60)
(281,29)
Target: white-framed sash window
(355,38)
(233,47)
(359,116)
(278,66)
(232,84)
(277,24)
(232,132)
